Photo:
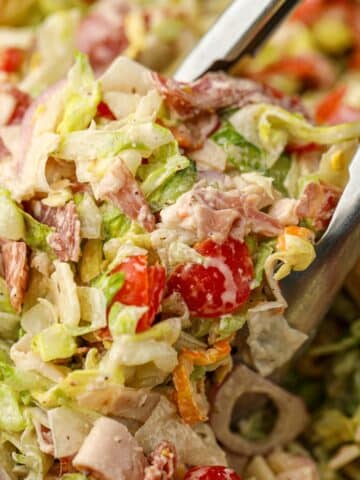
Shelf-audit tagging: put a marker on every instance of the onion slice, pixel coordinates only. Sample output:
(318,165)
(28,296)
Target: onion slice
(291,421)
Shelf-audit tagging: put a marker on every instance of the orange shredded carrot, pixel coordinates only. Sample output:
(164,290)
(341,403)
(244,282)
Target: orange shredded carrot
(296,231)
(218,352)
(190,410)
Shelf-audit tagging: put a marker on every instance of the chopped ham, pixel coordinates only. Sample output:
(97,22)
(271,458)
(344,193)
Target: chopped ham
(162,462)
(101,34)
(317,203)
(14,255)
(191,134)
(110,452)
(284,210)
(120,188)
(214,91)
(215,214)
(14,104)
(66,239)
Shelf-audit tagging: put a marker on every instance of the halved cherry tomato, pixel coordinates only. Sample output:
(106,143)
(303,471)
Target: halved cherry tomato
(143,286)
(104,111)
(219,286)
(309,11)
(156,286)
(328,107)
(11,59)
(211,473)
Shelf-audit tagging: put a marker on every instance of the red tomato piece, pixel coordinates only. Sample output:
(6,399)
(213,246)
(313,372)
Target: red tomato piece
(135,290)
(219,286)
(143,286)
(211,473)
(328,107)
(156,286)
(11,59)
(309,11)
(104,111)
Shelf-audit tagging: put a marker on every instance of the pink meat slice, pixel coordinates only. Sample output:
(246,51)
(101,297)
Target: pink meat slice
(317,203)
(162,462)
(16,269)
(110,452)
(120,187)
(65,241)
(215,91)
(101,34)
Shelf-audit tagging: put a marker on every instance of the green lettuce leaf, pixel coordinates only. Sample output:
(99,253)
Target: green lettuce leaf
(88,144)
(124,318)
(175,186)
(36,234)
(11,417)
(279,172)
(54,343)
(12,224)
(162,166)
(242,155)
(115,223)
(270,128)
(91,260)
(228,325)
(110,284)
(82,97)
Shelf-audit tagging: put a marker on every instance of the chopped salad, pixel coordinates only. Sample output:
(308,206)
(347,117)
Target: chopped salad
(145,225)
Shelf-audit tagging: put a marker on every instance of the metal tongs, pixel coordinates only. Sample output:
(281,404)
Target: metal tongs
(240,30)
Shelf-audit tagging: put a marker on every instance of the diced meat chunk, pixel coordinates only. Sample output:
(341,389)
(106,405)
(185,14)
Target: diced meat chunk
(65,220)
(162,462)
(215,91)
(317,203)
(16,270)
(101,34)
(110,452)
(120,188)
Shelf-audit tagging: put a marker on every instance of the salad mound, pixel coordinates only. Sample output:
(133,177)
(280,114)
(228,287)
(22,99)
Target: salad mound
(144,227)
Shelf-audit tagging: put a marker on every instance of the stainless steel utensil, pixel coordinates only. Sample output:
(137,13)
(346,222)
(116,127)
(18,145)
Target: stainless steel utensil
(241,29)
(310,293)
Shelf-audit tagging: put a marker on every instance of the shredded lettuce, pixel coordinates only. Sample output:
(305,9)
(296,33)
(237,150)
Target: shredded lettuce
(110,284)
(229,324)
(82,97)
(123,319)
(180,252)
(176,185)
(261,254)
(91,260)
(12,224)
(242,155)
(271,127)
(164,165)
(50,63)
(54,343)
(90,216)
(11,418)
(298,255)
(66,294)
(114,222)
(5,304)
(88,144)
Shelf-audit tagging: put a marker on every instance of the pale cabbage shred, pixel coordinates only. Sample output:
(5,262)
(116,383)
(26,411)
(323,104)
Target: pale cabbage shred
(59,313)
